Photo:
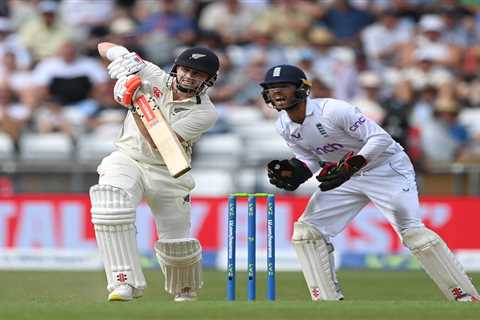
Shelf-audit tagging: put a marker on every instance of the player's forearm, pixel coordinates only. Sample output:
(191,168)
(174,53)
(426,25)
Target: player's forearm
(375,146)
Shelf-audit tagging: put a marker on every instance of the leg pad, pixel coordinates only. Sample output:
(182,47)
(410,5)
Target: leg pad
(439,263)
(181,263)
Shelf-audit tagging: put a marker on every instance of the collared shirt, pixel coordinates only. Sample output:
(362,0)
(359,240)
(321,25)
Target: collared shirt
(332,128)
(189,118)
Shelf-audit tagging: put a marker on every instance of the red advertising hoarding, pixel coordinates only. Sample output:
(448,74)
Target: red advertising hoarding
(62,222)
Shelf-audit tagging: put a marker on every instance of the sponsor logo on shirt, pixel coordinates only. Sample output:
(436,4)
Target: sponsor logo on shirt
(331,147)
(321,129)
(357,123)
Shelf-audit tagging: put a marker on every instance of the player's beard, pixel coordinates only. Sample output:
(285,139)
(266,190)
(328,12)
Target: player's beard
(188,85)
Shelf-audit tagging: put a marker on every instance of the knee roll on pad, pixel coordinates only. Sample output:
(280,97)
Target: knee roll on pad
(111,205)
(113,217)
(181,263)
(314,256)
(439,263)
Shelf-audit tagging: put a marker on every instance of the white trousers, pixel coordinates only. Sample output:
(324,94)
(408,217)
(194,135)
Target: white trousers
(391,187)
(167,197)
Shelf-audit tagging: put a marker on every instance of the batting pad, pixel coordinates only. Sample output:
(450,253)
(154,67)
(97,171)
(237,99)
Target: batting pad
(113,217)
(439,263)
(181,263)
(313,255)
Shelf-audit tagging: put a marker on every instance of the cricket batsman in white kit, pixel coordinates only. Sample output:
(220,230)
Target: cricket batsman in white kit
(136,171)
(356,162)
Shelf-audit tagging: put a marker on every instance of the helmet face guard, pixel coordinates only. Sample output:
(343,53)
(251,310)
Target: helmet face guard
(199,59)
(300,94)
(200,87)
(286,74)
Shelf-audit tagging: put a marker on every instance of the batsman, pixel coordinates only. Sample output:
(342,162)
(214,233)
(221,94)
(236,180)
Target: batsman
(355,162)
(137,171)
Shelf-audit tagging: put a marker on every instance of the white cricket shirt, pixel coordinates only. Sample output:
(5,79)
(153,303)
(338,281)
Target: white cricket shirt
(331,129)
(189,118)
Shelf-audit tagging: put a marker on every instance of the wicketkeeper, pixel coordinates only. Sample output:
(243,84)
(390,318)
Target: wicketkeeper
(356,162)
(136,171)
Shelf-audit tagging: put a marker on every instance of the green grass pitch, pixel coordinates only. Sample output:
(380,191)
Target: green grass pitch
(369,295)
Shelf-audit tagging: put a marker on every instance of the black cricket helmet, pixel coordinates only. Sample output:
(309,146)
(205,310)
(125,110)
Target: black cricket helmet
(286,74)
(200,59)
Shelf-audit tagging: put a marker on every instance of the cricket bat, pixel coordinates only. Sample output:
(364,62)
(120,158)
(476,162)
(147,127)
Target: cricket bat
(165,139)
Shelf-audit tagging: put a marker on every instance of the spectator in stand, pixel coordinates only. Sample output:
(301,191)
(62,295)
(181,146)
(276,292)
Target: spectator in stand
(383,39)
(368,100)
(459,27)
(306,62)
(397,110)
(85,14)
(445,130)
(322,42)
(429,39)
(44,35)
(70,80)
(254,74)
(426,70)
(123,32)
(345,21)
(164,30)
(20,79)
(107,119)
(320,89)
(287,20)
(262,42)
(424,105)
(230,82)
(232,19)
(13,115)
(9,42)
(334,65)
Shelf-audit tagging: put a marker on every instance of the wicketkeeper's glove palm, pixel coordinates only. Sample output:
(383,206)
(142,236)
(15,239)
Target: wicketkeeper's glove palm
(288,174)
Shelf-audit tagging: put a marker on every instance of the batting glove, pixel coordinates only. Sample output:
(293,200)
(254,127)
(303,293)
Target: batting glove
(125,88)
(125,65)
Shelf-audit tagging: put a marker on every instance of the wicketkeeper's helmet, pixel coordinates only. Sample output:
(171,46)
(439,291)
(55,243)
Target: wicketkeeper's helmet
(286,74)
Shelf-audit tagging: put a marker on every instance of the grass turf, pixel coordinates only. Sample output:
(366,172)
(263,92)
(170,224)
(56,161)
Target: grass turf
(369,295)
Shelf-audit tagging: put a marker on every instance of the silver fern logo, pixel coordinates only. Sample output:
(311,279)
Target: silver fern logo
(198,56)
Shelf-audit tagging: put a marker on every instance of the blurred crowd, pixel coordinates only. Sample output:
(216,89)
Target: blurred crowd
(410,65)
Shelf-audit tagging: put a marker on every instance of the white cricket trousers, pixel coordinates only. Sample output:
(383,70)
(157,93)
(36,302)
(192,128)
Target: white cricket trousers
(168,197)
(391,187)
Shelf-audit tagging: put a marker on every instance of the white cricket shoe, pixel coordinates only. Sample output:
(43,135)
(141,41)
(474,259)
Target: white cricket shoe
(185,296)
(123,292)
(466,298)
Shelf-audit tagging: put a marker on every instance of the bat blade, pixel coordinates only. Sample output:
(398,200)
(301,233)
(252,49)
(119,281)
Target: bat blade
(163,136)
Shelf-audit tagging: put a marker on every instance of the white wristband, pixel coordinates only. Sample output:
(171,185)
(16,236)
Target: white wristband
(115,52)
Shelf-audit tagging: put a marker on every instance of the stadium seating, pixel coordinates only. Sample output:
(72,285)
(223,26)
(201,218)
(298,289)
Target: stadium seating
(92,147)
(51,146)
(6,147)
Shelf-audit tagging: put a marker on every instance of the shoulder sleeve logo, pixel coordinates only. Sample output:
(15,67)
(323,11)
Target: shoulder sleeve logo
(156,92)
